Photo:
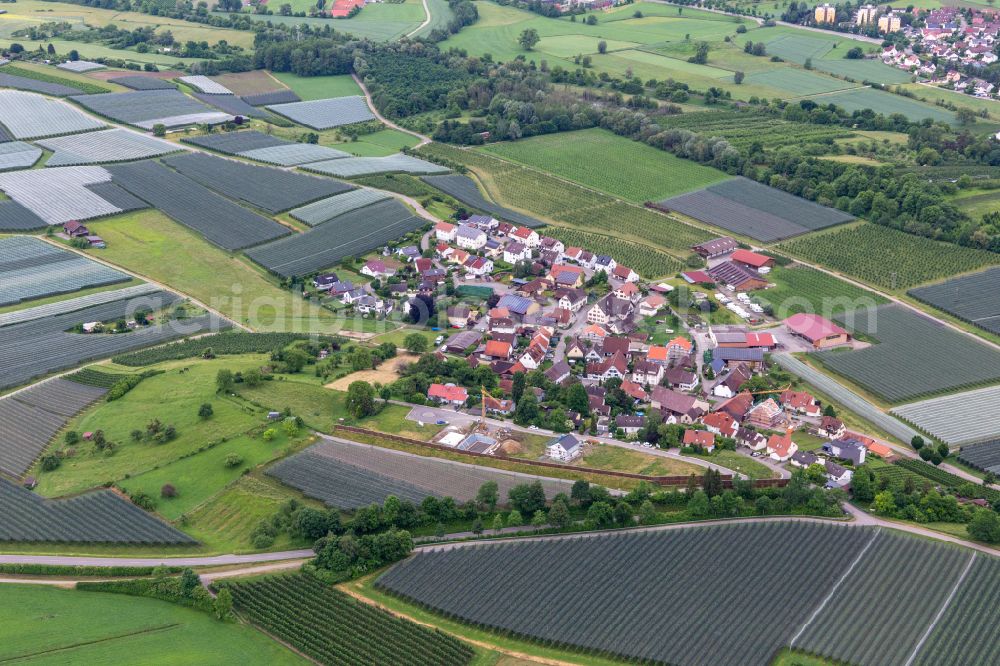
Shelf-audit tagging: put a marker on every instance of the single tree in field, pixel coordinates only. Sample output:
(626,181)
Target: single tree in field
(602,46)
(737,77)
(965,116)
(361,399)
(529,37)
(415,343)
(488,496)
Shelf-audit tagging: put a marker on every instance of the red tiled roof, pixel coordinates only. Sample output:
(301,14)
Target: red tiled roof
(449,393)
(812,326)
(751,258)
(699,437)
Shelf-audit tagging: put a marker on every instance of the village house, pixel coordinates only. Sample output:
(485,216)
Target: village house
(564,448)
(571,299)
(730,386)
(721,424)
(679,348)
(369,304)
(605,263)
(497,405)
(651,305)
(803,459)
(800,402)
(550,244)
(681,379)
(325,280)
(447,394)
(677,407)
(478,266)
(628,292)
(781,447)
(624,273)
(751,439)
(470,238)
(703,439)
(519,306)
(445,232)
(75,229)
(527,236)
(837,474)
(846,449)
(615,367)
(497,349)
(767,415)
(376,268)
(634,391)
(629,425)
(738,406)
(515,251)
(558,373)
(831,428)
(458,316)
(648,373)
(733,356)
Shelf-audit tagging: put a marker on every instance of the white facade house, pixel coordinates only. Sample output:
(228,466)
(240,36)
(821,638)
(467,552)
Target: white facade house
(470,238)
(565,448)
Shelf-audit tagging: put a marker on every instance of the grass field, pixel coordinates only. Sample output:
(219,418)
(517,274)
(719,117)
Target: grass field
(249,83)
(378,21)
(885,103)
(904,260)
(567,204)
(44,625)
(174,398)
(319,87)
(803,289)
(655,46)
(610,163)
(619,459)
(149,243)
(798,82)
(975,202)
(29,13)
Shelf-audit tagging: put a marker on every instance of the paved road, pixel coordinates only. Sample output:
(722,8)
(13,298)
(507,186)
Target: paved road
(424,140)
(167,560)
(846,397)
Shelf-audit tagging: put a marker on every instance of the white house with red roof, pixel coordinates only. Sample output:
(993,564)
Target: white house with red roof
(527,236)
(445,232)
(703,438)
(449,394)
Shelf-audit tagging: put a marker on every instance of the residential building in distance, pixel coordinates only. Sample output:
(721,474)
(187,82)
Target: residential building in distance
(825,14)
(564,448)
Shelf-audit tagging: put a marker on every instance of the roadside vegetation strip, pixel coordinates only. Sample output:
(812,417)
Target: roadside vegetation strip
(364,166)
(31,268)
(327,209)
(610,163)
(973,298)
(226,343)
(333,628)
(29,419)
(465,190)
(984,456)
(897,366)
(267,188)
(965,633)
(31,116)
(218,219)
(849,399)
(745,127)
(349,475)
(97,517)
(643,259)
(904,260)
(351,234)
(958,420)
(686,574)
(324,114)
(112,145)
(919,573)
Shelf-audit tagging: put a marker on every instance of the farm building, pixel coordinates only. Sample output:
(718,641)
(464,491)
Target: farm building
(716,247)
(819,332)
(457,344)
(732,356)
(738,276)
(752,259)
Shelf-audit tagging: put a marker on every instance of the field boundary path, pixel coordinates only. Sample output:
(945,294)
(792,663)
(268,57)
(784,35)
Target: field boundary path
(833,590)
(424,140)
(941,611)
(427,20)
